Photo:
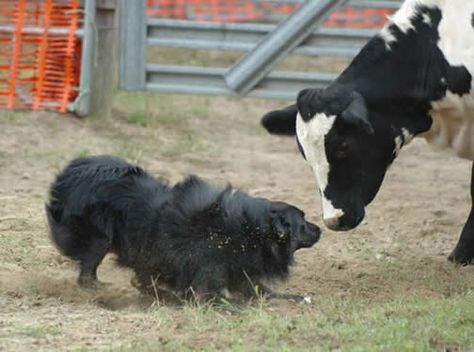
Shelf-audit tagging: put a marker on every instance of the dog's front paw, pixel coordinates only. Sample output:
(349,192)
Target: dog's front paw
(298,298)
(289,297)
(144,288)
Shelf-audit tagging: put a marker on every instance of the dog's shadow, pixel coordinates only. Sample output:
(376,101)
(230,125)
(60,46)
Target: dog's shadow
(112,296)
(115,296)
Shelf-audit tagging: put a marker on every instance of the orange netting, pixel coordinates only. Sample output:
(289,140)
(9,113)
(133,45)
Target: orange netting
(39,56)
(258,10)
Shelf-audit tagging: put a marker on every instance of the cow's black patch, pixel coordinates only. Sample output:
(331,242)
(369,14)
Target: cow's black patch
(281,121)
(330,101)
(472,20)
(459,80)
(413,68)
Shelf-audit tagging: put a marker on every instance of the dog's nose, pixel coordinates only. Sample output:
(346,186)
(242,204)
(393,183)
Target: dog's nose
(310,236)
(314,230)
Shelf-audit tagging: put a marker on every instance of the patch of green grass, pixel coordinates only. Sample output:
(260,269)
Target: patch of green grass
(82,349)
(189,143)
(160,110)
(138,118)
(39,331)
(192,57)
(83,151)
(133,152)
(411,324)
(14,246)
(8,116)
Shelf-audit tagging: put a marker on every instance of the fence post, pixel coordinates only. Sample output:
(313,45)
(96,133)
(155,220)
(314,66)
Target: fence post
(133,44)
(99,59)
(258,63)
(105,71)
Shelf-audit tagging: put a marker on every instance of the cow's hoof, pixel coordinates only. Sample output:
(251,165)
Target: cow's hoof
(460,258)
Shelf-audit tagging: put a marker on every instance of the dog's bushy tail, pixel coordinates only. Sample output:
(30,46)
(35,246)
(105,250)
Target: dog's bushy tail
(65,241)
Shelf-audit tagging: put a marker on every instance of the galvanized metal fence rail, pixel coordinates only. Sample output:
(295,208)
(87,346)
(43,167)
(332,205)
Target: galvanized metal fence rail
(265,45)
(244,37)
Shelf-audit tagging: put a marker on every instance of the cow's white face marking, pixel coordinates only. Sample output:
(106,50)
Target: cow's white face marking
(398,145)
(402,140)
(407,136)
(403,18)
(311,137)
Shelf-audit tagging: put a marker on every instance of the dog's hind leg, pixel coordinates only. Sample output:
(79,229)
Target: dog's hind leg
(83,242)
(98,247)
(209,283)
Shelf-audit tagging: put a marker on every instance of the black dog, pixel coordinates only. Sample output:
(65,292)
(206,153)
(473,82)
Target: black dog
(190,237)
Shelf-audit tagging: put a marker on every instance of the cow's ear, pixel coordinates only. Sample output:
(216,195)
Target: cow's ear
(357,114)
(282,122)
(305,103)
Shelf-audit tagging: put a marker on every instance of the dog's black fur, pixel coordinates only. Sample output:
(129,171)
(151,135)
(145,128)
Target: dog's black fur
(192,236)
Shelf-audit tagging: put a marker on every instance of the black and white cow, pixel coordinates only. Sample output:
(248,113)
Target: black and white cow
(415,78)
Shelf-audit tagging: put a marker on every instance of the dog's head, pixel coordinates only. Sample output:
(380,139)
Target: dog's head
(290,228)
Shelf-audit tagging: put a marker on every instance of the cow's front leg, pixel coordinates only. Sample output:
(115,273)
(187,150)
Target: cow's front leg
(464,251)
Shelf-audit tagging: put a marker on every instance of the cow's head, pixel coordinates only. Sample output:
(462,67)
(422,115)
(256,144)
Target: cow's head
(348,150)
(351,131)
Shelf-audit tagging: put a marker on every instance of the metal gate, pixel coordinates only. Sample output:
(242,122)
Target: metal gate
(264,46)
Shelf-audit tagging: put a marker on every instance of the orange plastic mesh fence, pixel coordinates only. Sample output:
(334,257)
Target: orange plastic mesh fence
(39,56)
(258,10)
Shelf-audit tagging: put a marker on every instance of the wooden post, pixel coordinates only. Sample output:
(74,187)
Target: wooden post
(105,60)
(104,74)
(133,45)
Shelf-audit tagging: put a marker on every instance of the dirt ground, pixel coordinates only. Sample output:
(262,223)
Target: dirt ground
(399,250)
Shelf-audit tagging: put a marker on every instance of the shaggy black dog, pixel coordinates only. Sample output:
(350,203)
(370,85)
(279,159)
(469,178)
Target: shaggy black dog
(190,237)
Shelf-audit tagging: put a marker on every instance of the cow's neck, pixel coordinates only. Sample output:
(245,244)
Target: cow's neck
(402,71)
(400,78)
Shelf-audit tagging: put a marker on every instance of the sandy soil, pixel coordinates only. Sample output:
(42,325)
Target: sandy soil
(401,247)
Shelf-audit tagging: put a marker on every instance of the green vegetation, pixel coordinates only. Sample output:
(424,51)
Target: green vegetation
(39,331)
(412,324)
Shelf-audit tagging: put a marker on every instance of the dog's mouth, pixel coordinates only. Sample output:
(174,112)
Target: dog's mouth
(306,244)
(309,237)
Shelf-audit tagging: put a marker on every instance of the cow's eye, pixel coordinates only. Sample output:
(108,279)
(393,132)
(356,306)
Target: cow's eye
(342,150)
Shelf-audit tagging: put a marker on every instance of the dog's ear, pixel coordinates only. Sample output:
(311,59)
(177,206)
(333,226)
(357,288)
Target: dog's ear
(279,223)
(215,208)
